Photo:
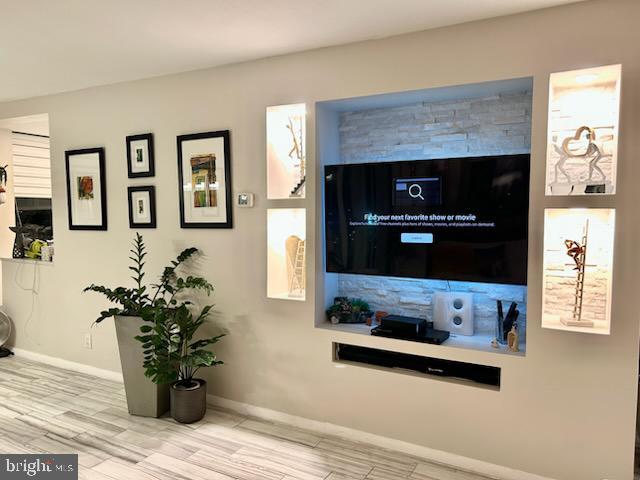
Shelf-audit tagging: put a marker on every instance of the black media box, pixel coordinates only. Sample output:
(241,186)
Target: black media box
(404,326)
(409,328)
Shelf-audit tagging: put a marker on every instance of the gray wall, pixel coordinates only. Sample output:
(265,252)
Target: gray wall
(566,410)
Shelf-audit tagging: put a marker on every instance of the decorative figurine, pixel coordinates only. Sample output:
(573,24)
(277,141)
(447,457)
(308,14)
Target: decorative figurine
(575,251)
(376,319)
(512,339)
(578,251)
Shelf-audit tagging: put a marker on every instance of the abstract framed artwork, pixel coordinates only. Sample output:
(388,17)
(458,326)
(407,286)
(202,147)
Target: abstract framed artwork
(142,207)
(204,180)
(86,189)
(140,156)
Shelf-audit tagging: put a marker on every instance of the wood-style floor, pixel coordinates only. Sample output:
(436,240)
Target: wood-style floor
(45,409)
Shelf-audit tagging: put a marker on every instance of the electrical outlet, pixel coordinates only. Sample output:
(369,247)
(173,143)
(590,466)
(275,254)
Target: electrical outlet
(88,342)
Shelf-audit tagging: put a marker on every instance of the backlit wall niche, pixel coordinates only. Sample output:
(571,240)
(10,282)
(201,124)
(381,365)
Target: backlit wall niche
(286,253)
(286,151)
(578,263)
(582,146)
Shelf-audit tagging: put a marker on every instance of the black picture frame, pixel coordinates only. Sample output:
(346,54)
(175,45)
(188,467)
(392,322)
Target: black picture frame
(145,137)
(152,206)
(225,135)
(73,224)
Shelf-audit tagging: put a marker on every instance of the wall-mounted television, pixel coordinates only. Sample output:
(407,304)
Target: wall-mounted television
(460,219)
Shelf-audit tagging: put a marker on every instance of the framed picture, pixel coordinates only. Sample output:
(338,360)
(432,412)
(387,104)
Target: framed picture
(86,189)
(204,176)
(140,158)
(142,207)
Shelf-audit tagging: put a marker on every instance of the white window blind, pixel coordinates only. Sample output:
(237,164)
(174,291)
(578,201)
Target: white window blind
(31,166)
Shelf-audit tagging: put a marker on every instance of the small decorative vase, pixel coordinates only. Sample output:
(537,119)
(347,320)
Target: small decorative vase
(189,402)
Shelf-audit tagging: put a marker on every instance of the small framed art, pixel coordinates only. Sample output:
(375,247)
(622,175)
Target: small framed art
(142,207)
(204,176)
(140,156)
(86,189)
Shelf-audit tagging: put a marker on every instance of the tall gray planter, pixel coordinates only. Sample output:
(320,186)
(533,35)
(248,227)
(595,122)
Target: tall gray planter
(144,398)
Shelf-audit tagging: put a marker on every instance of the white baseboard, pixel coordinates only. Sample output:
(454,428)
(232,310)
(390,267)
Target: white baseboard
(69,365)
(429,454)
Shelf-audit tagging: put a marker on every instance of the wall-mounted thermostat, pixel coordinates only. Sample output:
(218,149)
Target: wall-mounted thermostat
(244,200)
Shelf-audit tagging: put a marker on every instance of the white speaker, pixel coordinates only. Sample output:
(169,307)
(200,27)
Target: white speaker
(453,312)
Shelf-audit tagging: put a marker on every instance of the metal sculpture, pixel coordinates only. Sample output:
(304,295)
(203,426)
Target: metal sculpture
(578,251)
(592,154)
(296,128)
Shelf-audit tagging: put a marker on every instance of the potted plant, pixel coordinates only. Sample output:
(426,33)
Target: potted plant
(345,310)
(137,307)
(172,356)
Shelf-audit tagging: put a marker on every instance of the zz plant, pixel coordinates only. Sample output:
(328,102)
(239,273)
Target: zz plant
(142,301)
(170,352)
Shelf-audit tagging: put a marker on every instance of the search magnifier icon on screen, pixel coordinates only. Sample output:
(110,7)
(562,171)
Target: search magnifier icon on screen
(415,191)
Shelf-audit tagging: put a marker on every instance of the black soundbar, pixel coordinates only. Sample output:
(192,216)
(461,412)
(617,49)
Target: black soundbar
(482,374)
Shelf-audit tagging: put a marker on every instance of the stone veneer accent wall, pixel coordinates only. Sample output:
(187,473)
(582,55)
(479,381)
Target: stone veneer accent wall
(496,125)
(414,297)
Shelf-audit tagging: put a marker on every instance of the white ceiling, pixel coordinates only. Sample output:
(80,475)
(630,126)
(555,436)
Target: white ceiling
(51,46)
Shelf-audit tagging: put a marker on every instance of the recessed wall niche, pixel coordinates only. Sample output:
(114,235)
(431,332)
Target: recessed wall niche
(286,151)
(578,263)
(582,145)
(286,253)
(477,120)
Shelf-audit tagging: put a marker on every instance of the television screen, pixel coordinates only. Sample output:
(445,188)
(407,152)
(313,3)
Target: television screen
(452,219)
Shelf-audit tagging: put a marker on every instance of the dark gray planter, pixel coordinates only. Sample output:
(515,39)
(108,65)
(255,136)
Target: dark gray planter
(144,398)
(189,404)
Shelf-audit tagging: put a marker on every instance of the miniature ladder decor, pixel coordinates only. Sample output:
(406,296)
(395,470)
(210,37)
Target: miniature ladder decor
(580,260)
(298,278)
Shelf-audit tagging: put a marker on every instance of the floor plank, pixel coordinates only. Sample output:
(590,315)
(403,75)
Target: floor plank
(233,467)
(282,431)
(430,471)
(183,468)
